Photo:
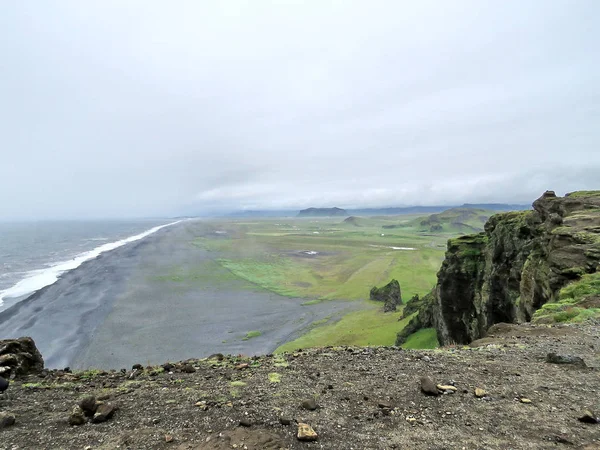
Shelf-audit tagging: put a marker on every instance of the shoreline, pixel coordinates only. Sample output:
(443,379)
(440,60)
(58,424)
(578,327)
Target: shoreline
(39,279)
(118,309)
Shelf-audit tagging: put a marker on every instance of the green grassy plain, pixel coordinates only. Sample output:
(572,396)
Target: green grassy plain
(367,327)
(350,259)
(321,259)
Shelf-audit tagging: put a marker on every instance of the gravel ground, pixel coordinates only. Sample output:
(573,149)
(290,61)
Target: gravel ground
(366,398)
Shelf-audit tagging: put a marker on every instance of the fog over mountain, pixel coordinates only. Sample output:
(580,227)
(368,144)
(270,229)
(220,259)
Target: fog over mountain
(138,108)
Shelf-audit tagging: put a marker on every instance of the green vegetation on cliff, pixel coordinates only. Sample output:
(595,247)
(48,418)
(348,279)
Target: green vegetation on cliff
(539,265)
(577,301)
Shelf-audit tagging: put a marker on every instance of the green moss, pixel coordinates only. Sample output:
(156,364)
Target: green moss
(237,383)
(89,374)
(274,377)
(578,194)
(580,289)
(570,306)
(252,334)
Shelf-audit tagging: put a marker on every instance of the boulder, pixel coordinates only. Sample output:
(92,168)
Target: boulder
(104,412)
(390,294)
(6,420)
(20,357)
(428,387)
(77,417)
(89,405)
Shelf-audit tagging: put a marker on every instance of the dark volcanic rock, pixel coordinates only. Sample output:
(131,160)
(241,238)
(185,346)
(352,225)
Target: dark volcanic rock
(310,404)
(589,417)
(21,356)
(390,294)
(88,405)
(3,384)
(553,358)
(103,413)
(77,416)
(428,387)
(6,420)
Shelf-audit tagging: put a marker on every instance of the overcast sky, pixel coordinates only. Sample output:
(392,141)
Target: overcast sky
(138,108)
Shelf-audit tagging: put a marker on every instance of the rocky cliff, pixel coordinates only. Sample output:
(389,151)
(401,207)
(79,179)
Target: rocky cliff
(541,264)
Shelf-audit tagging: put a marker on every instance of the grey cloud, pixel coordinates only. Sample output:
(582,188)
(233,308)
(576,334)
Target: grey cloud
(151,108)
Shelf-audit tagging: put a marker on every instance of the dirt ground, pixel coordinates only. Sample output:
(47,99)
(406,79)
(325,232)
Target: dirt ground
(366,398)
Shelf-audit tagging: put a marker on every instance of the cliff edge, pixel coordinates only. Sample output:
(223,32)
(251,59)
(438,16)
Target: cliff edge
(540,265)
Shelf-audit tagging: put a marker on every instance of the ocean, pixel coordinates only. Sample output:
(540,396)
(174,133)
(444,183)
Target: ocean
(34,254)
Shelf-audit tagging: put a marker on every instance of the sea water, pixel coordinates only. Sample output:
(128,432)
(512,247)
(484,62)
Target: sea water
(34,254)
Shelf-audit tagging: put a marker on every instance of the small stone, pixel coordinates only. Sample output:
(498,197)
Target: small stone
(384,404)
(168,367)
(245,422)
(77,416)
(188,368)
(168,438)
(310,404)
(446,387)
(589,417)
(137,367)
(525,400)
(242,366)
(411,420)
(306,433)
(103,413)
(426,358)
(88,405)
(479,393)
(428,387)
(285,421)
(6,419)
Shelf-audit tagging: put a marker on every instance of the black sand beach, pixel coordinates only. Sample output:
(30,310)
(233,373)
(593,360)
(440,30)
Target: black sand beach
(120,309)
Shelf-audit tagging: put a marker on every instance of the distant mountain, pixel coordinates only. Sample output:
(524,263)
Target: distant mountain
(387,211)
(322,212)
(496,206)
(274,213)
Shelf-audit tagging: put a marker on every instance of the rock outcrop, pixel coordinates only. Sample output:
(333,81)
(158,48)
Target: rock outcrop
(522,267)
(19,357)
(390,294)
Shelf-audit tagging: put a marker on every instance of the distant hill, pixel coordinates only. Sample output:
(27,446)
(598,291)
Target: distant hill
(353,220)
(456,220)
(462,219)
(322,212)
(398,210)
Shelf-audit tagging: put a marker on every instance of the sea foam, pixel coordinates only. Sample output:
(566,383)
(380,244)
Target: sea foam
(37,279)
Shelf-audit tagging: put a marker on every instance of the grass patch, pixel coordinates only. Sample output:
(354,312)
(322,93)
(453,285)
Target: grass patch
(252,334)
(367,327)
(346,261)
(424,338)
(578,302)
